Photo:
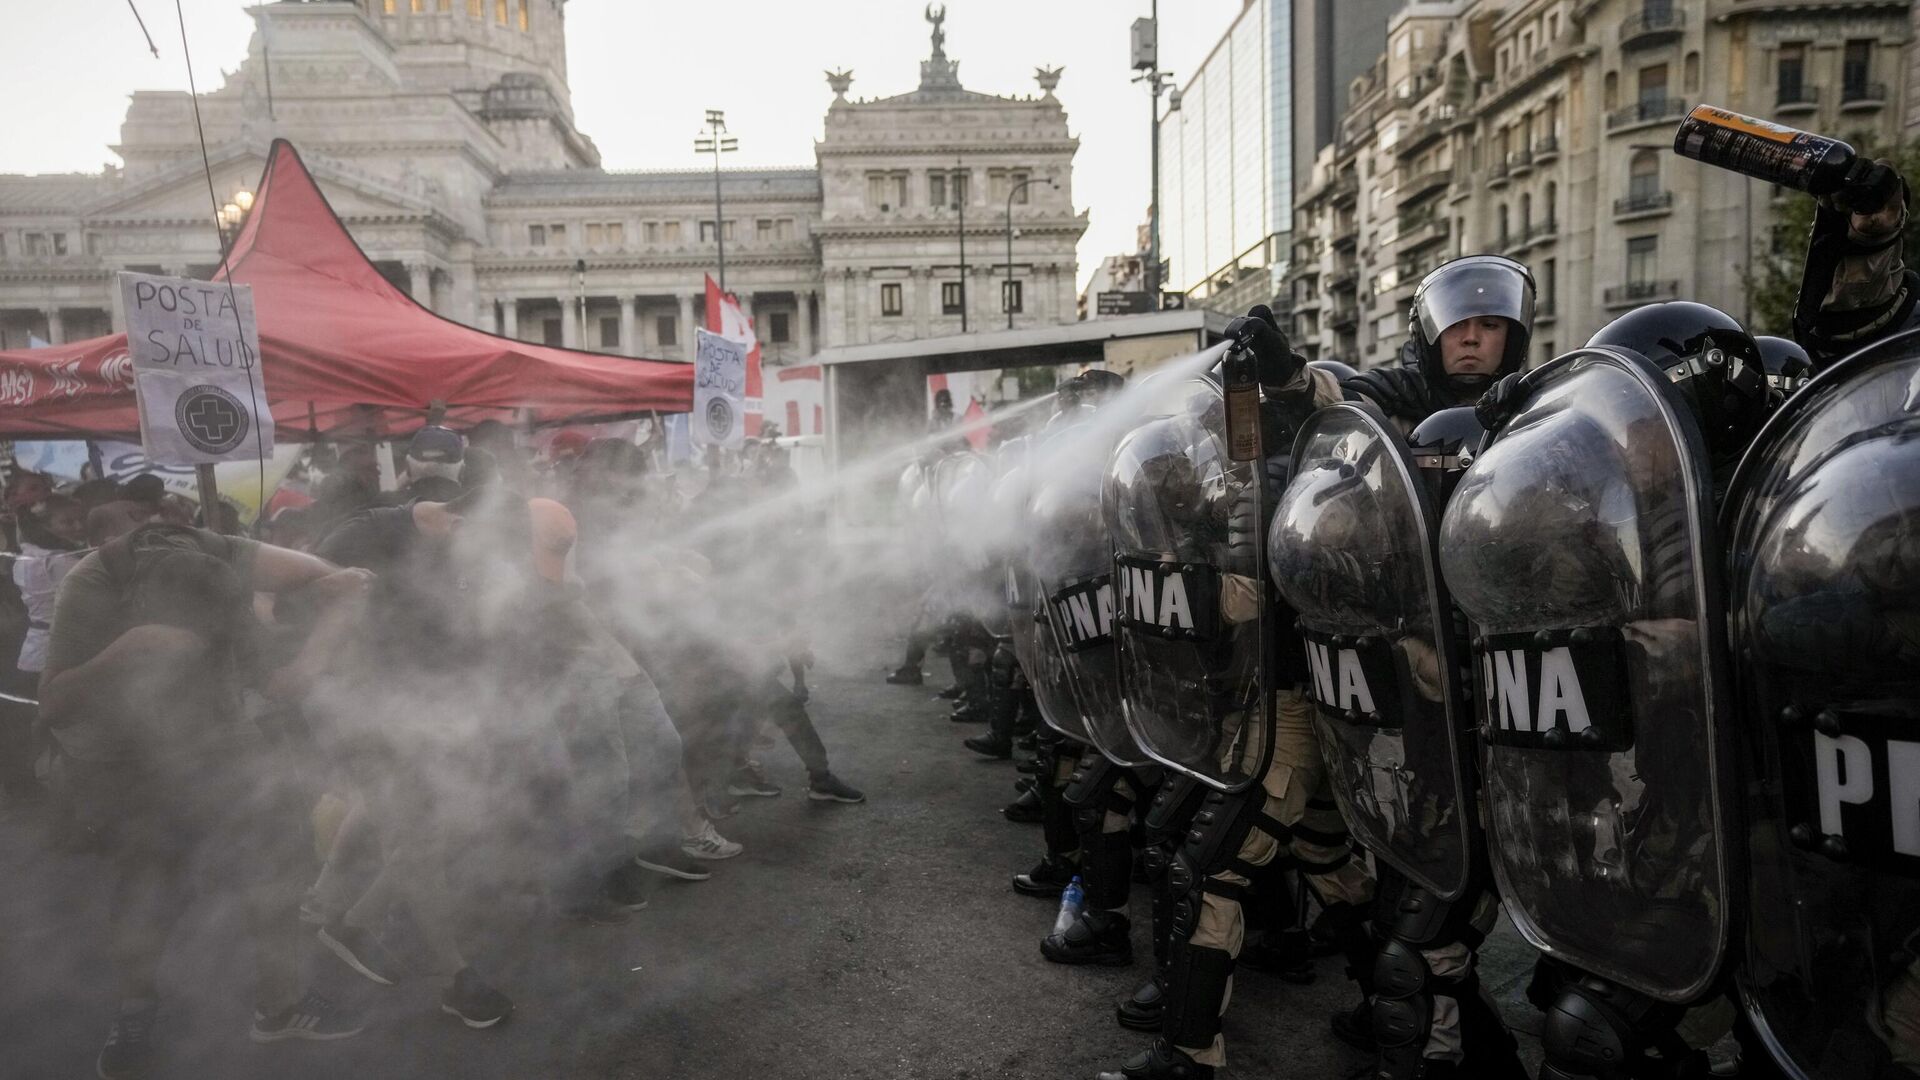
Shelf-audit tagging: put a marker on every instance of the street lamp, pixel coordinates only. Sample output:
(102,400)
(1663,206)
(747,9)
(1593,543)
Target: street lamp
(1006,298)
(1146,60)
(716,142)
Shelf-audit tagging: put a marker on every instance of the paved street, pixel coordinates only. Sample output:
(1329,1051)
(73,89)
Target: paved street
(873,941)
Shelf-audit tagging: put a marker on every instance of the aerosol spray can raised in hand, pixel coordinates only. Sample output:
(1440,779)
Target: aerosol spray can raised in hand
(1768,151)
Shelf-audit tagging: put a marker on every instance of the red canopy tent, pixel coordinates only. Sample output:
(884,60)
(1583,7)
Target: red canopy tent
(344,352)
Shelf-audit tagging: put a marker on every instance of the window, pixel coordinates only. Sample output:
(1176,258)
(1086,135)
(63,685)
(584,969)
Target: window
(706,231)
(36,243)
(500,12)
(1010,296)
(596,236)
(887,191)
(419,7)
(1553,201)
(523,14)
(1610,95)
(610,333)
(391,7)
(616,234)
(1792,72)
(1856,68)
(783,229)
(651,230)
(445,6)
(59,243)
(936,189)
(946,188)
(537,236)
(1642,256)
(1526,214)
(763,230)
(1692,73)
(477,9)
(666,329)
(551,332)
(890,299)
(777,331)
(1653,84)
(953,297)
(1549,284)
(1503,226)
(557,234)
(1019,193)
(1643,175)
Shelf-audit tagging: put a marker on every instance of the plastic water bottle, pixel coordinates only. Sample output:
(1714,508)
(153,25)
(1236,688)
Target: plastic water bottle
(1073,900)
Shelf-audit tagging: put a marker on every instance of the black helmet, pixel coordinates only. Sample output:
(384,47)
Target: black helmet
(1341,372)
(1474,287)
(1710,357)
(1787,364)
(1444,445)
(1095,385)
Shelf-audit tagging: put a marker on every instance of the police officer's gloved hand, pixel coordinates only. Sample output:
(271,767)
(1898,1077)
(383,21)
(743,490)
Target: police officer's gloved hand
(1873,191)
(1498,403)
(1273,355)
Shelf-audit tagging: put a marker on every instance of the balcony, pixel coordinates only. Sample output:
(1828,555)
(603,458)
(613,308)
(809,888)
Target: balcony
(1418,232)
(1642,204)
(1309,302)
(1424,184)
(1642,113)
(1546,150)
(1544,233)
(1497,176)
(1520,162)
(1344,276)
(1797,99)
(1345,236)
(1422,134)
(1862,95)
(1344,316)
(1656,24)
(1635,293)
(1282,304)
(1345,190)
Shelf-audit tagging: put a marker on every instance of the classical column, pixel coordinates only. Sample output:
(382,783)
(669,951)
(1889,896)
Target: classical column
(510,317)
(56,327)
(923,283)
(629,341)
(570,321)
(420,287)
(803,324)
(687,343)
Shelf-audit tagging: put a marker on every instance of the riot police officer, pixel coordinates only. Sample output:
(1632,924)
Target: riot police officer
(1195,620)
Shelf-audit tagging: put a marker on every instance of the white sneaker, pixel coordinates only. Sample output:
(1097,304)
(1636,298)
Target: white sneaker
(709,844)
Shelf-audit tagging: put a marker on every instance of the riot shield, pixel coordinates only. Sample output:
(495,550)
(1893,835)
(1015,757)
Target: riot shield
(1824,515)
(1351,548)
(1190,605)
(1072,561)
(1581,546)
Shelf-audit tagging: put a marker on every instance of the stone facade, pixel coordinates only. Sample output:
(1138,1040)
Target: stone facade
(1541,129)
(443,133)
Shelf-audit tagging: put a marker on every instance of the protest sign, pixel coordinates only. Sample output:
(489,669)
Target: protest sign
(196,368)
(719,392)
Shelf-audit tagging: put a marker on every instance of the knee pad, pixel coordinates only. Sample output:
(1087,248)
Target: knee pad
(1402,1008)
(1595,1028)
(1220,827)
(1092,778)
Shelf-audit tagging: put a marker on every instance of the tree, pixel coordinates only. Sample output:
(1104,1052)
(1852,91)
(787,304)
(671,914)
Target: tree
(1772,279)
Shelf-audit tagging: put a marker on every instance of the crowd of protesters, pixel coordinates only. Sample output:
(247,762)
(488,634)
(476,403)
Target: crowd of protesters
(512,675)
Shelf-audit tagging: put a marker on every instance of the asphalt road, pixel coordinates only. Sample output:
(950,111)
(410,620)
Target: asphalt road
(875,941)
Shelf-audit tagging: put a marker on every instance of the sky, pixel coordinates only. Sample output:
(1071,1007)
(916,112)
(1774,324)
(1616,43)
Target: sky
(643,72)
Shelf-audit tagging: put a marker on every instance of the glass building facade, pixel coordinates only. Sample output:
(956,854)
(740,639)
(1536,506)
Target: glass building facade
(1226,157)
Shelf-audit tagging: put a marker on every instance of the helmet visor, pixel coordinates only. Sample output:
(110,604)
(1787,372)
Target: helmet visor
(1472,288)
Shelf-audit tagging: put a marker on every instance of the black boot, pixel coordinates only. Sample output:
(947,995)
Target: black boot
(1142,1011)
(1096,937)
(1163,1062)
(1027,809)
(993,744)
(906,676)
(1355,1028)
(1047,880)
(1285,953)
